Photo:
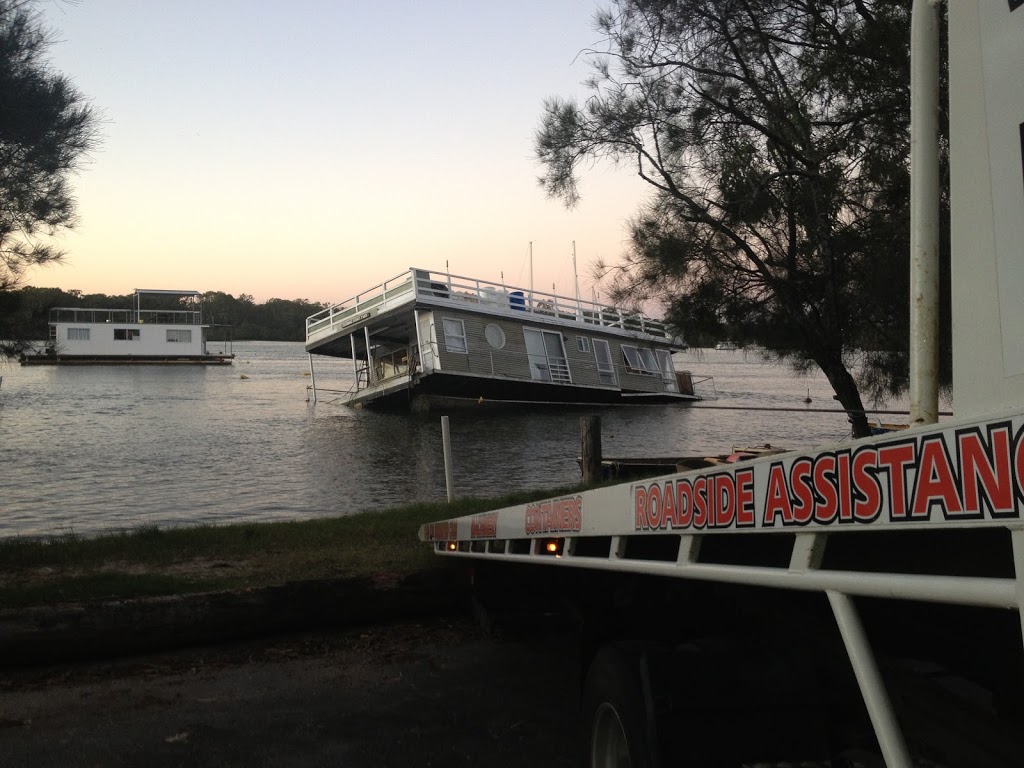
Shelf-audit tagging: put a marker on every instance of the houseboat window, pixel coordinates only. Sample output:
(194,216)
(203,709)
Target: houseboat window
(494,335)
(174,334)
(582,343)
(78,334)
(605,367)
(455,336)
(639,360)
(126,334)
(650,364)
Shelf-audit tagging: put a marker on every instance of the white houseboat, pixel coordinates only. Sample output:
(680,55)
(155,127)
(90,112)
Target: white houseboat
(426,338)
(82,336)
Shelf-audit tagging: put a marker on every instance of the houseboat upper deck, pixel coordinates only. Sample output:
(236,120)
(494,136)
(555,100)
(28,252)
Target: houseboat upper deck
(426,337)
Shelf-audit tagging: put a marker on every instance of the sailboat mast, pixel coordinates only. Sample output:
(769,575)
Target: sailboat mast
(576,280)
(531,266)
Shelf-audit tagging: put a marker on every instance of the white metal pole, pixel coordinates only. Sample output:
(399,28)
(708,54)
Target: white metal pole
(355,360)
(880,710)
(418,358)
(531,275)
(446,440)
(924,213)
(312,378)
(1017,539)
(808,550)
(370,379)
(576,283)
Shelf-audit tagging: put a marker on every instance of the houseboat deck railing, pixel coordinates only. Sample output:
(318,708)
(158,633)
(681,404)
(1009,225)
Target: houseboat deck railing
(452,290)
(162,316)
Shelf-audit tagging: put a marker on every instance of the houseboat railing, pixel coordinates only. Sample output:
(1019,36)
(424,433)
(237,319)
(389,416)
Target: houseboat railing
(383,296)
(458,288)
(126,316)
(421,284)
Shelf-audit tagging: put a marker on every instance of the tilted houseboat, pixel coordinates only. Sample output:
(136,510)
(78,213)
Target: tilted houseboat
(84,336)
(425,339)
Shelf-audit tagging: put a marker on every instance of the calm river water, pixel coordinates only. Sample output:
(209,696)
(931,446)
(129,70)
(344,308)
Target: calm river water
(90,449)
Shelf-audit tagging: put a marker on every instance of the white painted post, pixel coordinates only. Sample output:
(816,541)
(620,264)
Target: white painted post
(924,213)
(446,440)
(312,378)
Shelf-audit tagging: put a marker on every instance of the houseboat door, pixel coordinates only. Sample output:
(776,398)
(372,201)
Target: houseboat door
(605,367)
(547,356)
(668,372)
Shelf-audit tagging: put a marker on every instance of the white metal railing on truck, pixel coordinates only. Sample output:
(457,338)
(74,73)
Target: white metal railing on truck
(969,479)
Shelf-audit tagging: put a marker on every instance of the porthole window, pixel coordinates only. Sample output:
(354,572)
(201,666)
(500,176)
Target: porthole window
(494,335)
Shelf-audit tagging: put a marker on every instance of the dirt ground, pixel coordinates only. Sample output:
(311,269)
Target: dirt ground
(436,693)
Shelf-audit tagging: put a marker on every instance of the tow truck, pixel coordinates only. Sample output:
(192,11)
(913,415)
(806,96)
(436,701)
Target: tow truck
(859,604)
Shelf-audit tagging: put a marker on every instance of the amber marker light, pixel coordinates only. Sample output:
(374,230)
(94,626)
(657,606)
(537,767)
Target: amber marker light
(551,547)
(452,546)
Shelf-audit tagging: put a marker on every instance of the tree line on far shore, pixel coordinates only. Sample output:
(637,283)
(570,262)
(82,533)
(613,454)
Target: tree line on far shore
(272,320)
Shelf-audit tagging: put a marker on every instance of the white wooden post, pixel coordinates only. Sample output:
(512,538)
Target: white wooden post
(446,440)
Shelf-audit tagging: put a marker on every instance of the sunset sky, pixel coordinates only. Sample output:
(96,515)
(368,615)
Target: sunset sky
(315,148)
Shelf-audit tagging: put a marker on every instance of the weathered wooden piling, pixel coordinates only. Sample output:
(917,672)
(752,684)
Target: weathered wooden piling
(590,449)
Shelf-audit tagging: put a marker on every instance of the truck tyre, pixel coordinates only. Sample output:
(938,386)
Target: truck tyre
(617,724)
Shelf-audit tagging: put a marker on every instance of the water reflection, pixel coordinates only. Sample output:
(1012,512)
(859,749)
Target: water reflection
(89,449)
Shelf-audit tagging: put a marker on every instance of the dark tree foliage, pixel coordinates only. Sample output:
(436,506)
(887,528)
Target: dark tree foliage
(47,128)
(273,320)
(775,138)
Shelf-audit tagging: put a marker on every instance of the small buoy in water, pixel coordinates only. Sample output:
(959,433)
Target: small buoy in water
(243,376)
(808,398)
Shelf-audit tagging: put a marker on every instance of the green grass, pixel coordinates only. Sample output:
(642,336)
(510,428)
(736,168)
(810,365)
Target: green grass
(151,561)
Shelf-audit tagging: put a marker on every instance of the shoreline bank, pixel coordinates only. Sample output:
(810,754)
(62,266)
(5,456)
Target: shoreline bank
(107,629)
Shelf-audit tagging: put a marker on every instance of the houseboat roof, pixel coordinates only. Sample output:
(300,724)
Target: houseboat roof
(137,313)
(167,292)
(326,330)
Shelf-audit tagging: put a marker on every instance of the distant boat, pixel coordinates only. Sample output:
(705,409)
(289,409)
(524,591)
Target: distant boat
(425,339)
(726,345)
(136,336)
